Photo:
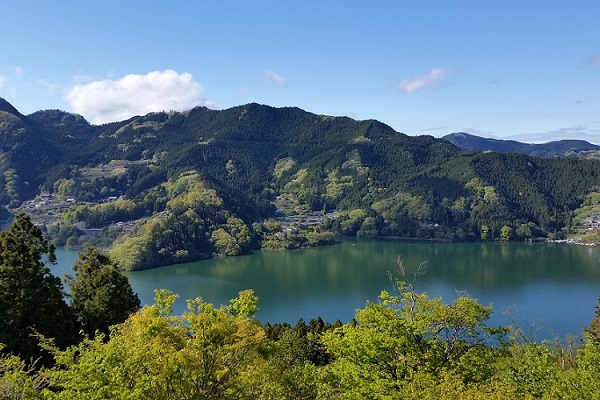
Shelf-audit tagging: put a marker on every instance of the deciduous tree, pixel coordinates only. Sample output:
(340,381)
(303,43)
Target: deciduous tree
(206,353)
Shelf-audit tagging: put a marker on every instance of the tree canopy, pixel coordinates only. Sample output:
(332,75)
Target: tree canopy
(31,298)
(101,295)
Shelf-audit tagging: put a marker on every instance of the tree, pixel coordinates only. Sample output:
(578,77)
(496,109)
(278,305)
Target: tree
(18,380)
(206,353)
(594,329)
(101,295)
(31,298)
(407,335)
(506,233)
(484,232)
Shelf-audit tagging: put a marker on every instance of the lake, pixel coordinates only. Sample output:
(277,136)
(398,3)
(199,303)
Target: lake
(549,289)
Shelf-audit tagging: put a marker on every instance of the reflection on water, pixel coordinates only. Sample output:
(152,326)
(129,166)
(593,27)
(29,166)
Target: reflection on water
(552,285)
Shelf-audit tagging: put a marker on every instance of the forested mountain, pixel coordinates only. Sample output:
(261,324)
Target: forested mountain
(559,148)
(206,181)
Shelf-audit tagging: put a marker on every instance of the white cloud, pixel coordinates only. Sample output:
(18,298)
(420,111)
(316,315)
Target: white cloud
(51,88)
(17,71)
(271,78)
(116,100)
(420,82)
(492,82)
(243,90)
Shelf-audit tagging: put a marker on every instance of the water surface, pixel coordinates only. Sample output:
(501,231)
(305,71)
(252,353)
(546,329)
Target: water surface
(552,288)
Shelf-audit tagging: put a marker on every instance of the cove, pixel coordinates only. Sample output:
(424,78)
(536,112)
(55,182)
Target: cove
(548,289)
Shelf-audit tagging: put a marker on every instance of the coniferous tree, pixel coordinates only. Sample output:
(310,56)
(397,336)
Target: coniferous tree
(101,294)
(31,298)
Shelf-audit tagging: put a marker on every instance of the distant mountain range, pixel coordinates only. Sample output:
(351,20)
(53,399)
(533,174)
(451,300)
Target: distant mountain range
(559,148)
(202,181)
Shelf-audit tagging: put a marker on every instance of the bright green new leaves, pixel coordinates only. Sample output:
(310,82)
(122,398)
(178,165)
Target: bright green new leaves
(582,381)
(206,353)
(244,306)
(402,336)
(18,380)
(194,224)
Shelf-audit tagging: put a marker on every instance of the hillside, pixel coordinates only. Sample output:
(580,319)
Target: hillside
(178,186)
(559,148)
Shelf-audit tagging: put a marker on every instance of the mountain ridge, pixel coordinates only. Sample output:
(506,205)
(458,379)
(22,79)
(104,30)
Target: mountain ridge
(556,148)
(225,171)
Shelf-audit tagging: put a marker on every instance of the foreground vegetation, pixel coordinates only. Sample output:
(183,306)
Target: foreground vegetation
(404,346)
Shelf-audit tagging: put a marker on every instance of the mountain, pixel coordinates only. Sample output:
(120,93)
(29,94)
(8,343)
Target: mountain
(6,107)
(205,181)
(560,148)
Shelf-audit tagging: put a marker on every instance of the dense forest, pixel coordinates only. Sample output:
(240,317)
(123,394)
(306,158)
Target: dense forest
(406,345)
(172,187)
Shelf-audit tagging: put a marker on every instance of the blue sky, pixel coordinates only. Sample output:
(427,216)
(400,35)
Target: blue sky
(525,70)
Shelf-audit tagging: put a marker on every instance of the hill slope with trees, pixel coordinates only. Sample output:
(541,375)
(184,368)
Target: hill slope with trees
(177,186)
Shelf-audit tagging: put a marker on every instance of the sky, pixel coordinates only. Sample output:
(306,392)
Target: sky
(522,70)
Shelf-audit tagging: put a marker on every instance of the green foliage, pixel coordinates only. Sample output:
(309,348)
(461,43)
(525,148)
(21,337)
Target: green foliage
(204,353)
(583,380)
(401,337)
(31,298)
(233,238)
(506,233)
(101,296)
(19,380)
(63,234)
(135,252)
(204,166)
(405,346)
(531,369)
(191,227)
(103,214)
(594,328)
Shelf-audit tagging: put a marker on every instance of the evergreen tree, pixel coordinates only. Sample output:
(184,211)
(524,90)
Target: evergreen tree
(101,294)
(31,298)
(594,329)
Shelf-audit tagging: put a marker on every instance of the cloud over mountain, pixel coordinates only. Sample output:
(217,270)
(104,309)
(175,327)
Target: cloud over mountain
(108,100)
(420,82)
(272,78)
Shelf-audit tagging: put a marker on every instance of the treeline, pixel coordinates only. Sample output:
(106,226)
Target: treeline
(404,346)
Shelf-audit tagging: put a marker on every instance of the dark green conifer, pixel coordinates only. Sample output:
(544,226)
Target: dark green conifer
(31,298)
(101,295)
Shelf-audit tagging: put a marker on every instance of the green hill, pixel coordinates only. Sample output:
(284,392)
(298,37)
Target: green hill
(205,182)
